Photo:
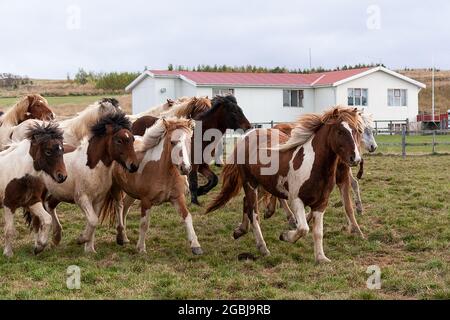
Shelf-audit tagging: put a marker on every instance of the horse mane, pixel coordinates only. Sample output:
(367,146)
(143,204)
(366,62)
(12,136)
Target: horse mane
(81,124)
(153,135)
(216,102)
(307,125)
(367,118)
(188,108)
(117,120)
(40,133)
(16,114)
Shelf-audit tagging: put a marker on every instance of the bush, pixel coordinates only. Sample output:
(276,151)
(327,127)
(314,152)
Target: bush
(114,80)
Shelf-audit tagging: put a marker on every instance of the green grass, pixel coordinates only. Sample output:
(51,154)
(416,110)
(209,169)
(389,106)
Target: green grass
(384,142)
(57,101)
(406,222)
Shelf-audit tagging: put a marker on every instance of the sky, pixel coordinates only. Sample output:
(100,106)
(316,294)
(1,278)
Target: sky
(49,39)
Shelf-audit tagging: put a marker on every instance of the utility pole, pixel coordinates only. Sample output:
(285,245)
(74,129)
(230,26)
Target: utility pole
(432,88)
(310,60)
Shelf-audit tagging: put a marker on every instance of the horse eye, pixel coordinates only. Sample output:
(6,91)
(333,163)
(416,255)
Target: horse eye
(174,143)
(48,153)
(119,141)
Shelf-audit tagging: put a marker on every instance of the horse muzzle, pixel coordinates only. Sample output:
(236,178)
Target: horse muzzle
(60,177)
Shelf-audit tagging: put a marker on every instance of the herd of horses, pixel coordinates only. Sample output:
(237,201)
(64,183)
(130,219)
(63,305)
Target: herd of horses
(103,160)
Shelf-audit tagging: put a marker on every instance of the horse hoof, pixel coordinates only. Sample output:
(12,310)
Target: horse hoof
(268,214)
(359,210)
(121,240)
(284,236)
(322,259)
(81,240)
(197,251)
(263,250)
(237,233)
(38,249)
(196,202)
(8,253)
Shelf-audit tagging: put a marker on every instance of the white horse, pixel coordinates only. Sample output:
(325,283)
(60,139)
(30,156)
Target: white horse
(40,155)
(90,169)
(155,111)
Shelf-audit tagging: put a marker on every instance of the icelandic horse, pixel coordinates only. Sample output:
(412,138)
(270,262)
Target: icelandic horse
(165,153)
(90,167)
(32,106)
(23,165)
(344,180)
(306,171)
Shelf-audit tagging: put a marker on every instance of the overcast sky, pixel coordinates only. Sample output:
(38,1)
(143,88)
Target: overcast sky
(48,39)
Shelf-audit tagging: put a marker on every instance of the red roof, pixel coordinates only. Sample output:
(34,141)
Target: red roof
(263,79)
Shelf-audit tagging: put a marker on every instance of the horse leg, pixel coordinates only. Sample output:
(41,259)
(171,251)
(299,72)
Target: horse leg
(10,232)
(318,237)
(50,206)
(123,208)
(271,206)
(356,191)
(251,207)
(289,214)
(213,180)
(92,221)
(180,205)
(344,188)
(245,224)
(193,184)
(143,228)
(302,227)
(45,219)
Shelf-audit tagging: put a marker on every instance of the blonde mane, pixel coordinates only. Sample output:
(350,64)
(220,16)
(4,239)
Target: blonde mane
(307,125)
(188,108)
(80,125)
(153,135)
(18,112)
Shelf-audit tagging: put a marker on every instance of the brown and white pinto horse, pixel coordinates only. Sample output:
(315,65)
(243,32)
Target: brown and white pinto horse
(39,156)
(344,180)
(164,150)
(306,175)
(32,106)
(90,168)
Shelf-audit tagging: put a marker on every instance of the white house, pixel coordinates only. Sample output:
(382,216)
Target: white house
(281,97)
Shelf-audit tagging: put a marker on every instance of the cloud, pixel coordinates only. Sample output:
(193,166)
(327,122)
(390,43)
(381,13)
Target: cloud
(44,40)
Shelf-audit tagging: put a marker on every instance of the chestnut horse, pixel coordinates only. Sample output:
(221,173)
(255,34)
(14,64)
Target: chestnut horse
(164,150)
(90,169)
(32,106)
(306,175)
(344,179)
(40,155)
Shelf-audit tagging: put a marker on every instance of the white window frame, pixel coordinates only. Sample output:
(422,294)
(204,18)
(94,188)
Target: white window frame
(300,97)
(223,92)
(399,97)
(354,97)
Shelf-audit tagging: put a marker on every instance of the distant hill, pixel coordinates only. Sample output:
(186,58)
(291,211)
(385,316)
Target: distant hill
(442,89)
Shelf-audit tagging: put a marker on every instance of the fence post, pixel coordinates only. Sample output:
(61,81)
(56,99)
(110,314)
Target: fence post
(271,124)
(434,142)
(404,142)
(390,128)
(376,127)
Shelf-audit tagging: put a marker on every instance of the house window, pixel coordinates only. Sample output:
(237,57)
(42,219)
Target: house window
(397,97)
(357,97)
(293,98)
(223,92)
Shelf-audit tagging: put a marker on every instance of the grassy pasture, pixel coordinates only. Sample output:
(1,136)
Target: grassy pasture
(406,222)
(385,144)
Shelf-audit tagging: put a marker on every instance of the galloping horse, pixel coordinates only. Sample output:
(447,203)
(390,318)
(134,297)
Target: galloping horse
(40,155)
(76,128)
(155,111)
(224,114)
(344,179)
(90,169)
(307,164)
(32,106)
(164,151)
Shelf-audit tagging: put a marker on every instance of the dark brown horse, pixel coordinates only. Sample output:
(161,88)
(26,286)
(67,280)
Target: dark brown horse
(305,173)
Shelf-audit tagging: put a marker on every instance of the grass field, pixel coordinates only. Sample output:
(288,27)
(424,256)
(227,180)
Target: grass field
(406,222)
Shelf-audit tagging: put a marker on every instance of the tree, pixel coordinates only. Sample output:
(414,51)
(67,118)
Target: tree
(82,77)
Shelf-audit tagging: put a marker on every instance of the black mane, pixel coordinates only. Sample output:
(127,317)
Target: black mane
(117,120)
(223,99)
(229,101)
(45,132)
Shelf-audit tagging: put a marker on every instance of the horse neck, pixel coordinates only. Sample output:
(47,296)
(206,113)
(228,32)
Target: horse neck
(210,120)
(325,158)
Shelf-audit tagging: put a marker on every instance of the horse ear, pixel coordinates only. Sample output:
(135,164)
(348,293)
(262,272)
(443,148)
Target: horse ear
(335,112)
(31,99)
(170,102)
(165,122)
(355,110)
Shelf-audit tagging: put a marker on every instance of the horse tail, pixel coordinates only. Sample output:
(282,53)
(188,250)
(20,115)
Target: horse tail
(231,185)
(108,210)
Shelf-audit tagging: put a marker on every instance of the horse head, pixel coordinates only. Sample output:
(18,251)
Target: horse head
(47,150)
